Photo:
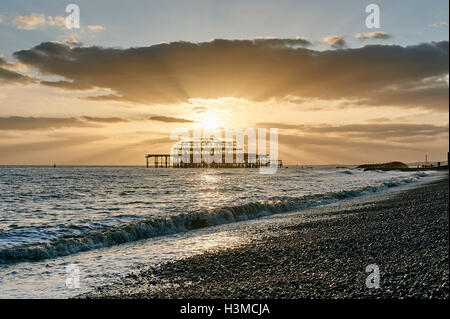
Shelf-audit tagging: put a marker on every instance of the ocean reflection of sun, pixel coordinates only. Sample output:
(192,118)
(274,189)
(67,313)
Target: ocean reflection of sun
(207,178)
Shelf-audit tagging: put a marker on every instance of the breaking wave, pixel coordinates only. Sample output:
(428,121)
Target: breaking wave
(185,222)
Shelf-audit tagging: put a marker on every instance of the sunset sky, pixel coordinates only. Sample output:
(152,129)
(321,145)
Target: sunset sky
(113,90)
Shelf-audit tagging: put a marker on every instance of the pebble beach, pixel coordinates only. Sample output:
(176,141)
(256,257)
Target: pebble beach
(406,235)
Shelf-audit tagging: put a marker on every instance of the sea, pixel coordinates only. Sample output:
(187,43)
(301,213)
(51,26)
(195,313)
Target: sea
(66,230)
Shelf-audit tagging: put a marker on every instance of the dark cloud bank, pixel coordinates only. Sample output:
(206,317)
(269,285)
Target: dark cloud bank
(370,131)
(169,119)
(24,123)
(10,76)
(258,70)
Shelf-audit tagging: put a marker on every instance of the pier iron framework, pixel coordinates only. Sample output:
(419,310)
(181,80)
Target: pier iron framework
(192,154)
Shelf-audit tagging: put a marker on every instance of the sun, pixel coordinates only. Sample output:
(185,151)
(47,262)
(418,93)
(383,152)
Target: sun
(210,120)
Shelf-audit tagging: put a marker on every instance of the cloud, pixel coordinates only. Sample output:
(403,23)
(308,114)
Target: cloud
(8,75)
(73,42)
(379,119)
(56,21)
(368,131)
(435,97)
(69,85)
(29,22)
(256,70)
(358,143)
(349,150)
(39,123)
(275,42)
(95,27)
(17,152)
(168,119)
(335,41)
(442,24)
(103,119)
(43,123)
(35,20)
(281,126)
(382,131)
(373,35)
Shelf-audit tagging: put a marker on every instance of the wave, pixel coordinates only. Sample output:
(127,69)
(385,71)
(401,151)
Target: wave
(184,222)
(421,174)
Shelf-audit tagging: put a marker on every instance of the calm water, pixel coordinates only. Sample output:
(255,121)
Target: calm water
(108,219)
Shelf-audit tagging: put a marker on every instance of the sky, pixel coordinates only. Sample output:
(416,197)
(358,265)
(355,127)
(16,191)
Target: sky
(114,89)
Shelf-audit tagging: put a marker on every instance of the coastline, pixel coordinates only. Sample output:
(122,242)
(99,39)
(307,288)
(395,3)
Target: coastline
(406,235)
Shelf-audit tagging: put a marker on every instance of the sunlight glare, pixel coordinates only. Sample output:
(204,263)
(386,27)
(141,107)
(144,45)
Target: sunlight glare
(210,120)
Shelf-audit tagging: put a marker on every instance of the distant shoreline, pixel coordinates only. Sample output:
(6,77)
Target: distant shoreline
(410,169)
